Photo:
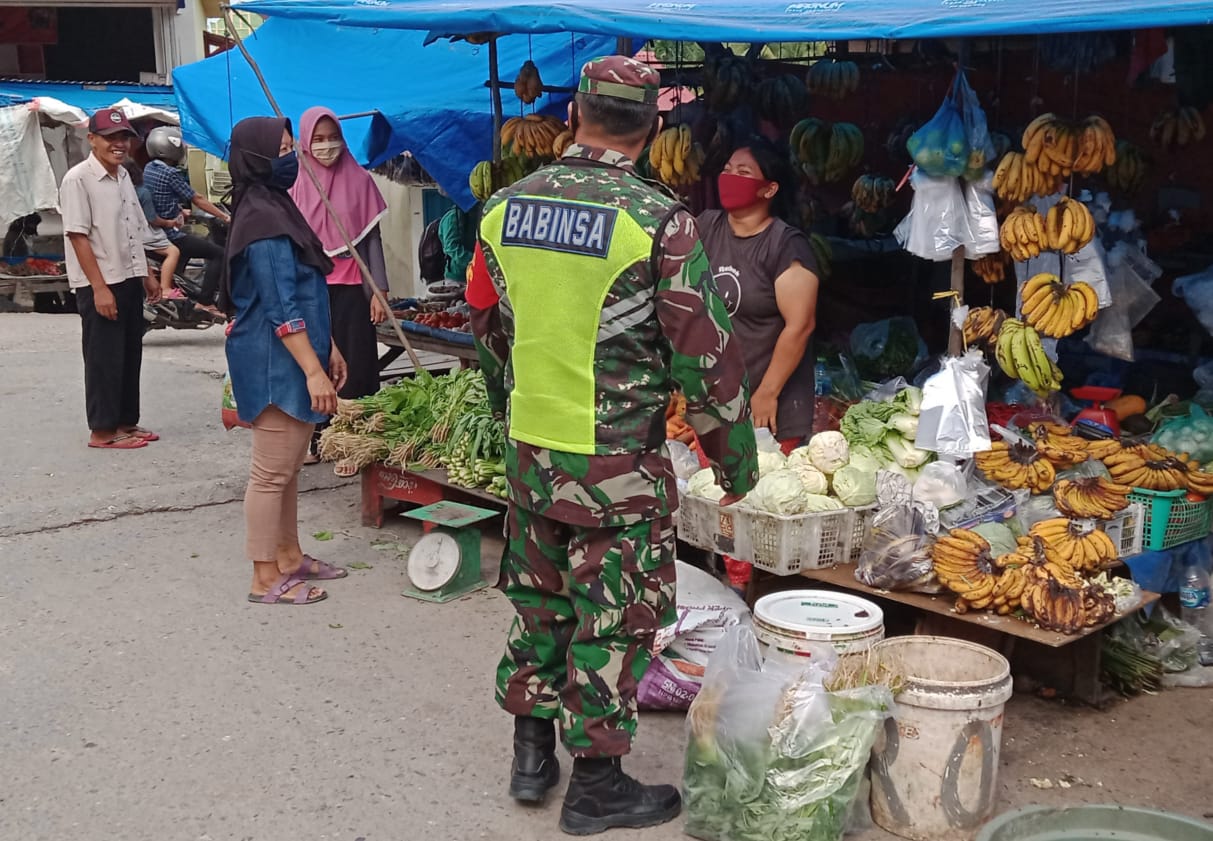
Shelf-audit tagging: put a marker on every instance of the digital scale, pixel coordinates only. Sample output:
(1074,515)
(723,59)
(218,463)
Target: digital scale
(445,563)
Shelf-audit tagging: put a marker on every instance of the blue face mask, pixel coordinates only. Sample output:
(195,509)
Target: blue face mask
(284,171)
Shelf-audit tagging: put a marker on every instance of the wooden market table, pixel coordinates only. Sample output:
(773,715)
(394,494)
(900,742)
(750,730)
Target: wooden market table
(421,487)
(428,344)
(1069,663)
(33,284)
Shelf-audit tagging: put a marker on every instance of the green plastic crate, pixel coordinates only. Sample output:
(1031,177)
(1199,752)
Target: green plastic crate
(1169,518)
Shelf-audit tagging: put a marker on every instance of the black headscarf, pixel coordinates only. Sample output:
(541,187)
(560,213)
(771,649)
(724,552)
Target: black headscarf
(260,211)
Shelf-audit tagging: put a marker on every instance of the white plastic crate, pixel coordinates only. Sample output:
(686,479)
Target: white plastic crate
(778,544)
(862,520)
(1126,530)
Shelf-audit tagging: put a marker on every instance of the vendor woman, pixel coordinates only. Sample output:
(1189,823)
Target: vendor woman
(766,273)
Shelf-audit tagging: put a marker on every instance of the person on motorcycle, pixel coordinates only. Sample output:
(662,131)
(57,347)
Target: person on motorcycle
(155,240)
(171,189)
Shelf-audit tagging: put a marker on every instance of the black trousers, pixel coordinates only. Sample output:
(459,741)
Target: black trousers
(113,356)
(193,247)
(354,335)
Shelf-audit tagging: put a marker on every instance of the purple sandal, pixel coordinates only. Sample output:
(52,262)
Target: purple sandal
(324,570)
(277,593)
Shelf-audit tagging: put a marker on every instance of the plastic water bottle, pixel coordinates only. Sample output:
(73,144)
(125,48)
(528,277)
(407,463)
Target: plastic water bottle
(1194,599)
(821,379)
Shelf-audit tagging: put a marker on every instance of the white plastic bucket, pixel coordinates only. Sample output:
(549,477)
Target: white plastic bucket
(802,622)
(935,778)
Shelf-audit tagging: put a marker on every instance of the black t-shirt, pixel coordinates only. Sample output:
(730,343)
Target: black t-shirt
(745,270)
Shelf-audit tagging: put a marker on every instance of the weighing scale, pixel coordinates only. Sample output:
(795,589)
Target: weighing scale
(445,563)
(1096,421)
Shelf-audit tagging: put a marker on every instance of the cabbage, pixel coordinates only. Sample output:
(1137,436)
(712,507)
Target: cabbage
(867,459)
(905,424)
(703,484)
(769,462)
(854,487)
(999,536)
(909,399)
(814,480)
(778,492)
(828,451)
(905,453)
(818,502)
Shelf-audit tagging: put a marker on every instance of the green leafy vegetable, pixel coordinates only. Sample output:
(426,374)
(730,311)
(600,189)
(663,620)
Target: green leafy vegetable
(322,535)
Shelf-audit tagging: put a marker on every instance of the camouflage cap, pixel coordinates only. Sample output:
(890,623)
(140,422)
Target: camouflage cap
(620,77)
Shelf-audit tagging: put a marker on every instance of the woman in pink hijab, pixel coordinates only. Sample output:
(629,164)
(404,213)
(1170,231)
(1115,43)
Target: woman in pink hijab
(361,207)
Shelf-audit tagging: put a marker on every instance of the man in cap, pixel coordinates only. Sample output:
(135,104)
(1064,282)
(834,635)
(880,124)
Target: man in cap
(103,226)
(592,300)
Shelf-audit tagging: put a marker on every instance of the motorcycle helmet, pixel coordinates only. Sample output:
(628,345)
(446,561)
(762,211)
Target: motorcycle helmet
(164,143)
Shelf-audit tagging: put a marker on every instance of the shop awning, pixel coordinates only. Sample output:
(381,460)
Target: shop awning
(429,100)
(724,20)
(88,96)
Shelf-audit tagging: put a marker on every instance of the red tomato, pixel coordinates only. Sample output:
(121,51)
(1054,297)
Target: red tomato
(1193,496)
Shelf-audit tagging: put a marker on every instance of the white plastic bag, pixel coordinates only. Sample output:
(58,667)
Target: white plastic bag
(937,223)
(982,219)
(1197,291)
(953,418)
(1130,275)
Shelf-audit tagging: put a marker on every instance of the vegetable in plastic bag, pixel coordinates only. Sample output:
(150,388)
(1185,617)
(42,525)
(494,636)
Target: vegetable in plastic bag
(828,451)
(977,130)
(896,550)
(854,487)
(888,348)
(1192,435)
(941,484)
(940,148)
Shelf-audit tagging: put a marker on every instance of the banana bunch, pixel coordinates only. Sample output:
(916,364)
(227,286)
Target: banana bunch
(1129,170)
(824,252)
(835,79)
(846,151)
(810,145)
(1057,310)
(1010,585)
(1016,466)
(1069,225)
(1055,606)
(1069,554)
(531,136)
(961,560)
(1179,128)
(487,178)
(674,158)
(982,324)
(782,99)
(1020,354)
(1023,234)
(1200,482)
(562,142)
(527,85)
(872,193)
(1101,448)
(727,81)
(1148,466)
(1096,146)
(1051,145)
(1057,444)
(992,268)
(1095,498)
(1016,181)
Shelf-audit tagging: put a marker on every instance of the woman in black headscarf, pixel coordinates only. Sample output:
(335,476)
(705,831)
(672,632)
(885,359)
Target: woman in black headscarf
(285,369)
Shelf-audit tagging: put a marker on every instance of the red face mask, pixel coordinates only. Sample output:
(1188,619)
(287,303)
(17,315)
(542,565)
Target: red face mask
(739,191)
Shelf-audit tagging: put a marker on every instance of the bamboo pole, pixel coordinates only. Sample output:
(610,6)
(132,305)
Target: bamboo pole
(495,86)
(306,166)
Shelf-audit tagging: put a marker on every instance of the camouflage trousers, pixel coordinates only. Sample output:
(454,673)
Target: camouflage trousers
(590,602)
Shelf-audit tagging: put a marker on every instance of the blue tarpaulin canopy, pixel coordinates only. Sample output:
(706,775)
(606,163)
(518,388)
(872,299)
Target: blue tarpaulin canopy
(757,20)
(429,100)
(87,96)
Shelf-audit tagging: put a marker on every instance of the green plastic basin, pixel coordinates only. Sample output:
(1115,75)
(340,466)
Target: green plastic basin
(1094,823)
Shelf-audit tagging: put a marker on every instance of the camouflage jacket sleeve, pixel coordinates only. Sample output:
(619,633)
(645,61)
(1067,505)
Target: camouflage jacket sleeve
(492,342)
(705,360)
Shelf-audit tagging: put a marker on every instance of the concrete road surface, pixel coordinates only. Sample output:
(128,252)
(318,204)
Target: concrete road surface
(142,698)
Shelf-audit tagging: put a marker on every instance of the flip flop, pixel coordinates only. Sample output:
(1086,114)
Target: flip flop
(145,434)
(119,442)
(277,593)
(324,570)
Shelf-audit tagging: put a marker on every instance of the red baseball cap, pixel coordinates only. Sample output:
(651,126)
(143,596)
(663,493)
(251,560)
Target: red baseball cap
(109,121)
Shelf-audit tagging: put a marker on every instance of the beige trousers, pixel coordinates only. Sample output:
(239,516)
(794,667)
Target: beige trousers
(271,502)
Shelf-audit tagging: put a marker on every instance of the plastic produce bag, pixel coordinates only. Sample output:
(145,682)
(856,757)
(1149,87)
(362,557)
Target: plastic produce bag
(953,419)
(937,223)
(977,131)
(982,220)
(228,413)
(888,348)
(896,550)
(771,754)
(1130,275)
(1197,291)
(941,484)
(940,148)
(1192,435)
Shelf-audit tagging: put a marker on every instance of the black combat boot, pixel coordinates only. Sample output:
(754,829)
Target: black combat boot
(601,796)
(535,768)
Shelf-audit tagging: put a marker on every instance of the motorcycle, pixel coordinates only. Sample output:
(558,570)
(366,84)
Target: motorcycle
(184,313)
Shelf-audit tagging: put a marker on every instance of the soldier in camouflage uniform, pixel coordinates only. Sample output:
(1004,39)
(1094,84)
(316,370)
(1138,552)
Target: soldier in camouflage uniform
(592,299)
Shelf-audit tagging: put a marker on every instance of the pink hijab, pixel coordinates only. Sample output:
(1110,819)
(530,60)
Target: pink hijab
(350,188)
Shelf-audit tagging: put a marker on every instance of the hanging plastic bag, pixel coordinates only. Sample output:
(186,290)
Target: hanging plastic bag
(771,753)
(937,223)
(896,550)
(953,419)
(1192,434)
(982,218)
(1197,291)
(228,413)
(889,348)
(1130,275)
(940,148)
(977,130)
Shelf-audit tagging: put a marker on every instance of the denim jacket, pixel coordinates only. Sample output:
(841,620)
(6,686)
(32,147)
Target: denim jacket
(275,295)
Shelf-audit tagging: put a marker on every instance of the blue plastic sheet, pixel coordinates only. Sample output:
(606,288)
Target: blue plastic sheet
(1160,572)
(772,20)
(430,100)
(90,97)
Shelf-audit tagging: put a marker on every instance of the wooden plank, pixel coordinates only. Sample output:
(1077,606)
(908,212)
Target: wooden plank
(431,344)
(421,487)
(844,577)
(9,284)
